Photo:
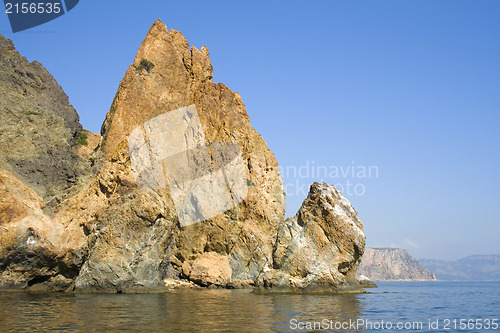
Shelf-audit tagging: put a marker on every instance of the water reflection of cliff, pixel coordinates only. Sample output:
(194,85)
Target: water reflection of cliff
(180,311)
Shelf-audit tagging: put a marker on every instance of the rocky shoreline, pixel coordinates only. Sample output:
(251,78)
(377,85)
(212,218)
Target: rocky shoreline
(74,216)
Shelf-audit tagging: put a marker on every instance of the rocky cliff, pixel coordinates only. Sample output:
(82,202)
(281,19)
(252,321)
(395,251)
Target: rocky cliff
(389,264)
(40,129)
(471,268)
(40,166)
(124,231)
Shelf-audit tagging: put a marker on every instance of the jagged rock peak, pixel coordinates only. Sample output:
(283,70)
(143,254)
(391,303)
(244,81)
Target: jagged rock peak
(167,76)
(160,41)
(118,235)
(164,76)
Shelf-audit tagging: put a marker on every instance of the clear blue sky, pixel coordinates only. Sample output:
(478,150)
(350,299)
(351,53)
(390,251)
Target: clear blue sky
(409,87)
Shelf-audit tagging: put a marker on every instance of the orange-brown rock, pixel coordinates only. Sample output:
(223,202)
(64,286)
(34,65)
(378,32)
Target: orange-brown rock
(210,268)
(32,253)
(134,232)
(39,129)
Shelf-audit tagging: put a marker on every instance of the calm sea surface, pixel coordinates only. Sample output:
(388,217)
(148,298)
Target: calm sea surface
(411,305)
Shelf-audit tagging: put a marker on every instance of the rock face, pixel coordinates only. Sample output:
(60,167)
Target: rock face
(181,76)
(471,268)
(39,128)
(389,264)
(114,235)
(320,248)
(39,167)
(29,255)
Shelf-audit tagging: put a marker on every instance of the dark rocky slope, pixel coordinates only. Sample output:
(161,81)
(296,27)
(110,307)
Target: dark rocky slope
(39,127)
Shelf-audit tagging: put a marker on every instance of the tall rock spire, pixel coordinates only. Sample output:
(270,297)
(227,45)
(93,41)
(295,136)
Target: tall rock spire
(170,83)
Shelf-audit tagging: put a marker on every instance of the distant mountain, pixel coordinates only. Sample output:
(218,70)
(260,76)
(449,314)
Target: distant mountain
(471,268)
(390,264)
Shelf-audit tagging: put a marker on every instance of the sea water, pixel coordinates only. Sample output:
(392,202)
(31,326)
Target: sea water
(393,307)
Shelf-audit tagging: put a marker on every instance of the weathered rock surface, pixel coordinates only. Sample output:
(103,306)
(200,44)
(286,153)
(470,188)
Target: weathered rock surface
(39,167)
(181,76)
(39,128)
(209,268)
(390,264)
(320,248)
(113,235)
(30,242)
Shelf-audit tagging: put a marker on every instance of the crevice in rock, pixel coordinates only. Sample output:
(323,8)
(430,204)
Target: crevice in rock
(38,279)
(344,267)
